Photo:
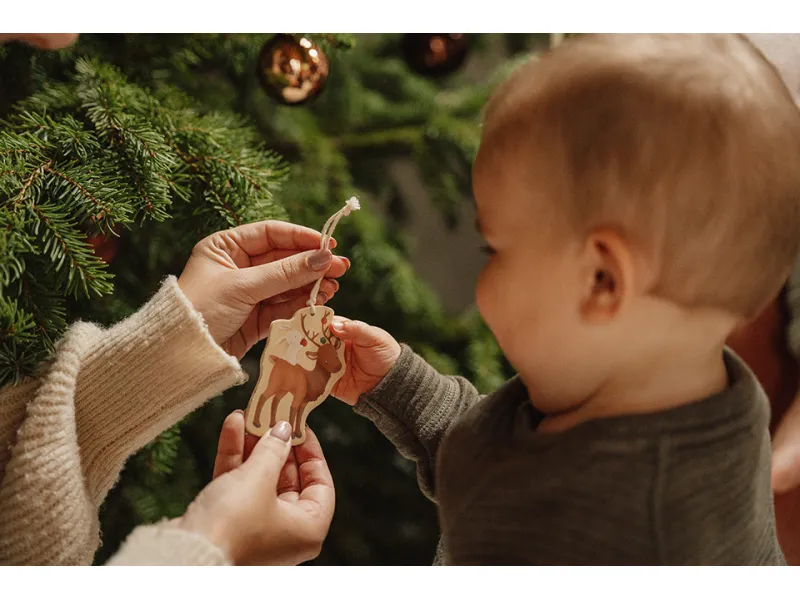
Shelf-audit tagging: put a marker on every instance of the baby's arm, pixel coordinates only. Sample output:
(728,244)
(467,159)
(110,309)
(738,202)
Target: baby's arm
(408,400)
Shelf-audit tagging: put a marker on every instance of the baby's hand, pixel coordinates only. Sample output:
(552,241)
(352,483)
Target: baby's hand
(370,353)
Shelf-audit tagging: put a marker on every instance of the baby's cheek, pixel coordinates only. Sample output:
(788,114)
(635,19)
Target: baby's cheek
(487,294)
(497,304)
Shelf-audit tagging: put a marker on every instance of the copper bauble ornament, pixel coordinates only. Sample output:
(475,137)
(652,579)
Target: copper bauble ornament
(435,54)
(292,69)
(105,246)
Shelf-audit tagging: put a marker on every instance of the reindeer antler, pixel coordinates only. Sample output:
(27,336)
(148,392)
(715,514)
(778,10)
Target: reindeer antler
(309,336)
(326,331)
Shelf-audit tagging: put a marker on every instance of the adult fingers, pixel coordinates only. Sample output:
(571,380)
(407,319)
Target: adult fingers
(340,263)
(45,41)
(268,457)
(261,237)
(289,479)
(311,464)
(264,281)
(230,449)
(317,494)
(284,310)
(786,450)
(329,287)
(250,442)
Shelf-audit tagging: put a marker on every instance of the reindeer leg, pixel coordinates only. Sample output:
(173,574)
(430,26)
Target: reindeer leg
(268,393)
(298,420)
(273,415)
(259,407)
(293,418)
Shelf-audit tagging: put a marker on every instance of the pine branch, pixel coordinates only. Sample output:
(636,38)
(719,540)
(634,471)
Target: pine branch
(22,355)
(115,108)
(102,188)
(14,245)
(238,182)
(160,454)
(74,263)
(97,152)
(15,323)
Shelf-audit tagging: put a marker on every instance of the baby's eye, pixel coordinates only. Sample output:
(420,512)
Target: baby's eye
(487,249)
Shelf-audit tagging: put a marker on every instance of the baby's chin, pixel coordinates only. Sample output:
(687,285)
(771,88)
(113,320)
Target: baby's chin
(537,396)
(551,399)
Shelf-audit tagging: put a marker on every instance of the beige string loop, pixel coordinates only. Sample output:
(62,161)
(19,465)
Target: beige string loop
(556,39)
(327,234)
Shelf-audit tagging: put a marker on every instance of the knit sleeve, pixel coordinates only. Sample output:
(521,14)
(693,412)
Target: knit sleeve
(163,544)
(106,394)
(413,407)
(783,51)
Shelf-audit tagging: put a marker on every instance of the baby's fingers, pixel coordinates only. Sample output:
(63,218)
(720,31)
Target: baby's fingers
(359,333)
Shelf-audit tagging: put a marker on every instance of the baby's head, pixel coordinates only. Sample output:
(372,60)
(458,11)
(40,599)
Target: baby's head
(641,196)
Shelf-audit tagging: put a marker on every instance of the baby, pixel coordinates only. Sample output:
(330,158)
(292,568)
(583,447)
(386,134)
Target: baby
(640,198)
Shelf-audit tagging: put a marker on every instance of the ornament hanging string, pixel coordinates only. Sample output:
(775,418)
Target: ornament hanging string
(325,244)
(556,39)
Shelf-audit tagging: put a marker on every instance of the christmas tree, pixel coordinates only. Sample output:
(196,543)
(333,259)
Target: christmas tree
(121,152)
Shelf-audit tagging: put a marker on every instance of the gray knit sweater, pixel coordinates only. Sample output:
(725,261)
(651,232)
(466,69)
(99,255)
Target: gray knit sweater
(688,486)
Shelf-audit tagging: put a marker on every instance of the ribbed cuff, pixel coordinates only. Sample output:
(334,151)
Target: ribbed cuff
(783,51)
(413,407)
(405,391)
(164,544)
(141,377)
(13,400)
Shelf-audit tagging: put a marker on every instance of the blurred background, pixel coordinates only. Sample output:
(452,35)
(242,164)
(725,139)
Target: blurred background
(150,142)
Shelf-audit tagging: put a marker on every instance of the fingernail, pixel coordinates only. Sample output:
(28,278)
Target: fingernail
(322,297)
(338,323)
(240,411)
(282,431)
(321,259)
(347,260)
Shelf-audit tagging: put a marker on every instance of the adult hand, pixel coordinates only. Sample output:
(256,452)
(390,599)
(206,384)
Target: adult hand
(272,508)
(242,279)
(45,41)
(786,450)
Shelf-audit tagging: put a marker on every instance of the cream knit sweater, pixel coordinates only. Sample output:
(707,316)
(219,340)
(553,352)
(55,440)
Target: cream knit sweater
(65,437)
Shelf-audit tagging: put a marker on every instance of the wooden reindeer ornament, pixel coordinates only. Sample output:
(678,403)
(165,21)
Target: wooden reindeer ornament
(301,363)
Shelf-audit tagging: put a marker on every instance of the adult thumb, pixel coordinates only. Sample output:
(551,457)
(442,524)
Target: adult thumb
(786,450)
(280,276)
(270,454)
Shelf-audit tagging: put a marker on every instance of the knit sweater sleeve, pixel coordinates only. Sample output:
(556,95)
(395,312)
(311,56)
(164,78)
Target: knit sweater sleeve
(164,544)
(413,407)
(783,51)
(106,393)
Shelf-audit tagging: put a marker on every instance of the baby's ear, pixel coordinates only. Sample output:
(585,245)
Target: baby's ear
(608,275)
